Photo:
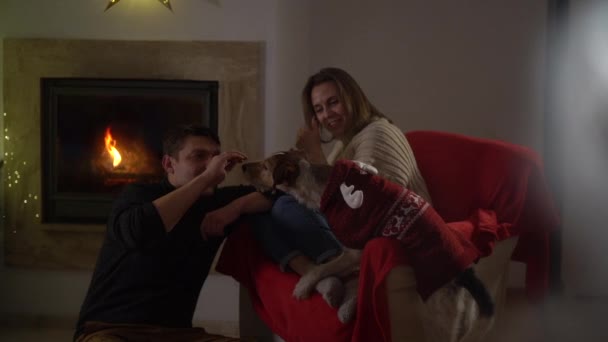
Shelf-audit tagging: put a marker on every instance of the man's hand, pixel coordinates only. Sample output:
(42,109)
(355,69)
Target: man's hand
(221,164)
(214,222)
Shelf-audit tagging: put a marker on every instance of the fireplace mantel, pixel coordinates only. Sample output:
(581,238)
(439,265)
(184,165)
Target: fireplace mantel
(235,65)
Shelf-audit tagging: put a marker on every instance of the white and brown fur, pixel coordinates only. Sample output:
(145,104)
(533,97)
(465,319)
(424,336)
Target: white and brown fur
(292,173)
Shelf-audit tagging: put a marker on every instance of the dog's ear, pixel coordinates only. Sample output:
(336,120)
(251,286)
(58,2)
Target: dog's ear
(286,171)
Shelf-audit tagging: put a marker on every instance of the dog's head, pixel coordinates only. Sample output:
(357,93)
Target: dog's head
(282,168)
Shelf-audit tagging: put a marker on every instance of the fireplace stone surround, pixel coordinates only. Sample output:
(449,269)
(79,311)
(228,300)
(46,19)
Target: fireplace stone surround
(30,243)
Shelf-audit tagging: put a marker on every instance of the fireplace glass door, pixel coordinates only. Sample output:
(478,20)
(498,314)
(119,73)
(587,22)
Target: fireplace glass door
(102,134)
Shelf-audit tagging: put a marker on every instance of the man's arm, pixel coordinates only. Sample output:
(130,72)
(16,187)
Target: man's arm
(216,221)
(134,221)
(172,206)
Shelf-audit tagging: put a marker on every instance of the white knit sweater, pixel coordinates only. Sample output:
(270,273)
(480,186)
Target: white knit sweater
(384,146)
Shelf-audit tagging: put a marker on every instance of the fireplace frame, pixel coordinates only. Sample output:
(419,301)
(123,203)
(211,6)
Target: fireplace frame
(91,208)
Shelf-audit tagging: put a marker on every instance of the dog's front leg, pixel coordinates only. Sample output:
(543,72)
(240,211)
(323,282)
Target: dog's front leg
(344,264)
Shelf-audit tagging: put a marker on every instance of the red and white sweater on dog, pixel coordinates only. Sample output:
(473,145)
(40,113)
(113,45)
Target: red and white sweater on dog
(361,205)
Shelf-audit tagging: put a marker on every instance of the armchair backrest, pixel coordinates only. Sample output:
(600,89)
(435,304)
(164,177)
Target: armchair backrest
(465,173)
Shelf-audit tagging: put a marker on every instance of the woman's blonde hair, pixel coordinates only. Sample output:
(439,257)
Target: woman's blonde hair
(351,95)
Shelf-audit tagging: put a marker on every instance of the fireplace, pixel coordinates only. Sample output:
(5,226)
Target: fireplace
(100,134)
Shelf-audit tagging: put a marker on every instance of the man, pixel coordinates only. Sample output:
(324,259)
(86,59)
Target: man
(157,253)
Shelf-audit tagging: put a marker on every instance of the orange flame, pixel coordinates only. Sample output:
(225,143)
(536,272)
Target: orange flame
(111,148)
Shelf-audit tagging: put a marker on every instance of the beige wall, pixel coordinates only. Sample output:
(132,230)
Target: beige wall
(472,67)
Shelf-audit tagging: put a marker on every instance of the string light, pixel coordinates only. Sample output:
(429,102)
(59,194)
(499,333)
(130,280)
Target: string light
(166,3)
(12,182)
(111,3)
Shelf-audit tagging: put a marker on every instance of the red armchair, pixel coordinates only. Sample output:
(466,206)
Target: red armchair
(490,190)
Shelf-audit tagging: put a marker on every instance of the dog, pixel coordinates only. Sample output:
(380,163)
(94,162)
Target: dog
(291,173)
(281,171)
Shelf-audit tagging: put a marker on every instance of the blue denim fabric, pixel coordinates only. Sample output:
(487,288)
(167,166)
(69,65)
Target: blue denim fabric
(292,229)
(274,240)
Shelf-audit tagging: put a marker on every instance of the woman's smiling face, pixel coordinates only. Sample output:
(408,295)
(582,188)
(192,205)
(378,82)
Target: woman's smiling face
(329,109)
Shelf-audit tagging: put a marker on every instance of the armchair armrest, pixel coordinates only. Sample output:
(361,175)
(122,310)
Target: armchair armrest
(270,289)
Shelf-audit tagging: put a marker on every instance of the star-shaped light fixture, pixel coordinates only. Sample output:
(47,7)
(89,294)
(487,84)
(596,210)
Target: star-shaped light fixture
(166,3)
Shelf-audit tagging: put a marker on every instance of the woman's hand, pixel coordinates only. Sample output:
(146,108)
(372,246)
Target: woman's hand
(309,137)
(309,140)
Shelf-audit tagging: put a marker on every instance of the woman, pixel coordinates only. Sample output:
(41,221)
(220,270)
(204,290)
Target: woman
(333,101)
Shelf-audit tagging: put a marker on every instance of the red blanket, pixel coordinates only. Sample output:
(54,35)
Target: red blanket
(486,190)
(360,205)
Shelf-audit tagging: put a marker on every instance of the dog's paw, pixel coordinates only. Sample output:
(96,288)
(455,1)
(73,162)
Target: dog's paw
(304,287)
(332,290)
(348,309)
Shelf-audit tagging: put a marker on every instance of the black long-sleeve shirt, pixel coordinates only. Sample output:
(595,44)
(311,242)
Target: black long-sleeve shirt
(145,275)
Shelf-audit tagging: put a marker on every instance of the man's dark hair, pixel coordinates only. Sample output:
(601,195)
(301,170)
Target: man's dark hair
(175,137)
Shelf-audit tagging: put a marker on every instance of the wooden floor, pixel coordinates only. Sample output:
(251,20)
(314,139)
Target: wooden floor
(558,320)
